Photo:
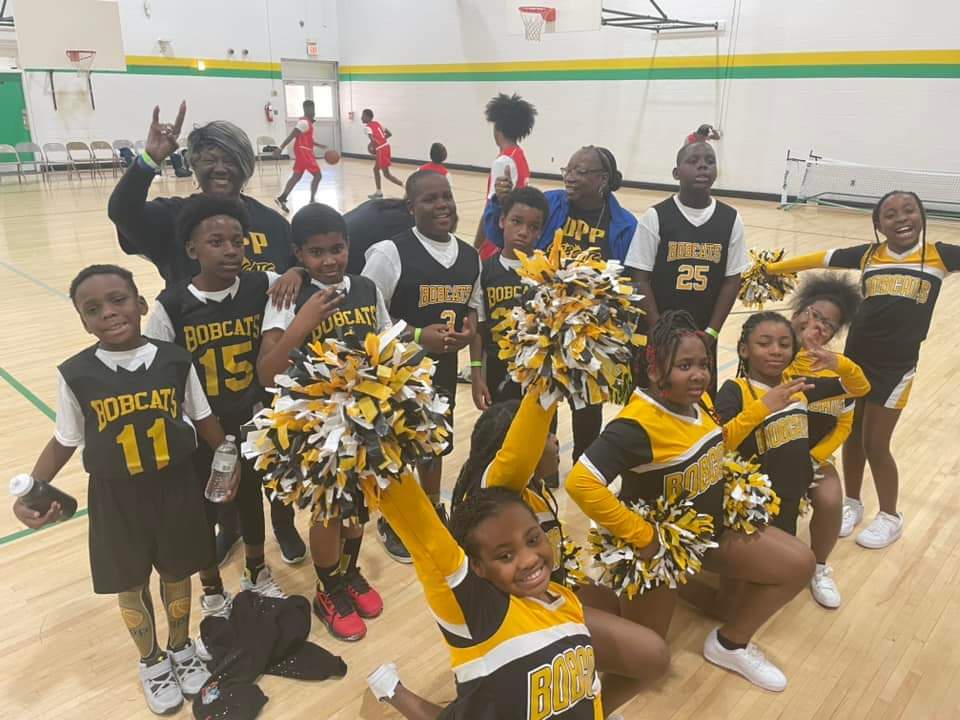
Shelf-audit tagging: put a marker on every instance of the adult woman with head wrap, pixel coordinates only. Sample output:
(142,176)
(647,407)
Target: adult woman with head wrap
(223,160)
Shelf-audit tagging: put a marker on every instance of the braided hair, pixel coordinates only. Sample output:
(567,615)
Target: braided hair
(830,287)
(876,235)
(485,440)
(664,339)
(477,507)
(743,368)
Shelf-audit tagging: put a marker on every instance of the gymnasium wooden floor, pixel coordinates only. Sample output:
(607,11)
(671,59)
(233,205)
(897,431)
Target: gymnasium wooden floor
(889,652)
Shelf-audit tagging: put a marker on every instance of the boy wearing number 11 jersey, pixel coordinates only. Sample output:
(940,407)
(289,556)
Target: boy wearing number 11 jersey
(216,317)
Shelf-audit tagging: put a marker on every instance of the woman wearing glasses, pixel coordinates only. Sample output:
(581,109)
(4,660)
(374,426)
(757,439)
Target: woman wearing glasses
(588,213)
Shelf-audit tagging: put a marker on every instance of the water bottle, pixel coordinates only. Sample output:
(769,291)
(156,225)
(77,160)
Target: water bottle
(39,495)
(225,459)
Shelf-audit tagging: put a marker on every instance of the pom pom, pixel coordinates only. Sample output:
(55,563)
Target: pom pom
(347,411)
(573,574)
(758,287)
(749,502)
(684,535)
(573,333)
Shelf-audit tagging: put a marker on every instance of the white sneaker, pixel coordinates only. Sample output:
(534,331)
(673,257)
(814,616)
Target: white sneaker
(885,530)
(216,605)
(383,681)
(823,587)
(192,674)
(265,584)
(160,687)
(852,516)
(749,662)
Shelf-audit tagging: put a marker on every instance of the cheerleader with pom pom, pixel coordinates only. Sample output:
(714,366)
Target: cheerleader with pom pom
(666,446)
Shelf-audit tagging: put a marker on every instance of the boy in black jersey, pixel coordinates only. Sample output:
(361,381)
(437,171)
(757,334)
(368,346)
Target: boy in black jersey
(332,304)
(691,250)
(522,216)
(136,407)
(216,317)
(430,279)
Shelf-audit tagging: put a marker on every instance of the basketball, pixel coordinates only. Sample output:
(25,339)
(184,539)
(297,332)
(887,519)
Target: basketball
(371,148)
(331,156)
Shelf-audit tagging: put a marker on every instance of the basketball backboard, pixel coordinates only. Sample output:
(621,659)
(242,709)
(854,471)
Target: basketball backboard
(572,15)
(47,28)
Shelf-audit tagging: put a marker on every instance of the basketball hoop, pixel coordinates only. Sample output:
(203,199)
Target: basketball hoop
(535,19)
(82,60)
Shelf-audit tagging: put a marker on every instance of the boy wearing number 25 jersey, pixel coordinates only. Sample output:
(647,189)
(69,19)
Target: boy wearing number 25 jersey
(217,316)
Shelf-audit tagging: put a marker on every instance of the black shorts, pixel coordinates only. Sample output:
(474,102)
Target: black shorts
(889,386)
(445,382)
(155,520)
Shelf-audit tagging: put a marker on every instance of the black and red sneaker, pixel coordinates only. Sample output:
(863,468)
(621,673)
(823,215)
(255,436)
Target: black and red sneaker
(336,611)
(365,599)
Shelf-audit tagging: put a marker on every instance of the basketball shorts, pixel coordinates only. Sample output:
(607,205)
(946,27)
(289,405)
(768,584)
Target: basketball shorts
(304,161)
(889,387)
(383,156)
(150,521)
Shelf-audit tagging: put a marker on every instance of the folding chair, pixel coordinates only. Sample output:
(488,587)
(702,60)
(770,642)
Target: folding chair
(265,141)
(28,148)
(11,150)
(103,152)
(54,154)
(82,156)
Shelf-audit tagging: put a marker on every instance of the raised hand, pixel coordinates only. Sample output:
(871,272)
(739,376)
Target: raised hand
(162,137)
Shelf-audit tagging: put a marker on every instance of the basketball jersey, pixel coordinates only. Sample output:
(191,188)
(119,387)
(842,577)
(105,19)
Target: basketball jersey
(133,421)
(657,452)
(502,291)
(303,143)
(377,135)
(691,261)
(519,159)
(224,340)
(356,315)
(427,292)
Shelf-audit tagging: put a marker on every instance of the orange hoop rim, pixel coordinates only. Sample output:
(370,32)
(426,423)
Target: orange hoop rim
(77,56)
(549,14)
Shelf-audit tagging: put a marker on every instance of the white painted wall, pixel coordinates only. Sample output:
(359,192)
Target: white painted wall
(899,122)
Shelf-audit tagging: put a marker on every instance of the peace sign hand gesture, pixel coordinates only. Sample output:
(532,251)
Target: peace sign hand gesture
(162,137)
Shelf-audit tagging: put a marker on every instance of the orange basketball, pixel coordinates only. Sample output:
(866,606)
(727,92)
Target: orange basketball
(332,157)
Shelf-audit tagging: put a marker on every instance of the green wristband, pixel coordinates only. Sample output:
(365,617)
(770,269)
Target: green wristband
(416,335)
(149,160)
(476,363)
(712,333)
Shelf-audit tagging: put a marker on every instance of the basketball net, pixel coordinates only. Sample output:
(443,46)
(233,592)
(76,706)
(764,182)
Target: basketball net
(535,18)
(82,60)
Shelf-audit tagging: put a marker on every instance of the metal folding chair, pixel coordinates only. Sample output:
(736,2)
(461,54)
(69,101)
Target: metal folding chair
(55,154)
(24,149)
(10,150)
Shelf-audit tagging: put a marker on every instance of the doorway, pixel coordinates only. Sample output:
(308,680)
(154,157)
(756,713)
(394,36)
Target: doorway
(313,80)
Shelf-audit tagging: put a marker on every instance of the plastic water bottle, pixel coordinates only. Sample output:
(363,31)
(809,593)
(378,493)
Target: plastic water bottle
(39,495)
(225,459)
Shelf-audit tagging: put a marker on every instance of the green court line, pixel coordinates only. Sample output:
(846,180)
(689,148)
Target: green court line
(82,512)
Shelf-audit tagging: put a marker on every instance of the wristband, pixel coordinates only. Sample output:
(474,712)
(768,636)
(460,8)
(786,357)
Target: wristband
(712,333)
(416,335)
(476,363)
(148,160)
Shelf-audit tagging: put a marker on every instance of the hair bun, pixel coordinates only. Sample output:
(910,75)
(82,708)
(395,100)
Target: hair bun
(616,180)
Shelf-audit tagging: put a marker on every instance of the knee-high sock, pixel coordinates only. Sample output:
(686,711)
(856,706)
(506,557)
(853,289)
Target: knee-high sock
(176,603)
(136,608)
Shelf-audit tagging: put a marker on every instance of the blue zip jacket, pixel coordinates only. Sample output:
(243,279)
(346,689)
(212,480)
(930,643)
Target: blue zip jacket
(623,224)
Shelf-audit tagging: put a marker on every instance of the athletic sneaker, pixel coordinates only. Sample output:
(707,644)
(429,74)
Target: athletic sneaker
(885,530)
(823,588)
(365,599)
(376,195)
(336,611)
(292,548)
(852,516)
(265,584)
(383,681)
(392,542)
(160,687)
(227,539)
(191,673)
(216,605)
(749,662)
(282,204)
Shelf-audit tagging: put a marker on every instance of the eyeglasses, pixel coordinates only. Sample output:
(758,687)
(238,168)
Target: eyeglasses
(579,172)
(826,322)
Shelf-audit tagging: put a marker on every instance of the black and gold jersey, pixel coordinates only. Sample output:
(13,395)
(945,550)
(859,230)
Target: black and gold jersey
(224,339)
(133,420)
(585,229)
(657,452)
(357,314)
(502,291)
(513,658)
(900,291)
(691,262)
(426,291)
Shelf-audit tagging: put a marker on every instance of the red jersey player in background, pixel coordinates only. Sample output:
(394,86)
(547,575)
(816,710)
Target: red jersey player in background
(379,147)
(702,134)
(438,155)
(512,119)
(303,158)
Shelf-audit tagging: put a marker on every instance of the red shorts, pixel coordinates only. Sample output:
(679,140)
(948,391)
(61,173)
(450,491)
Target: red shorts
(383,157)
(304,161)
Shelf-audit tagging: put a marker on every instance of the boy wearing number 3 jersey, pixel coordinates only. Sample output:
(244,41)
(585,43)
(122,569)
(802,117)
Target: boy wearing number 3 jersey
(691,250)
(216,316)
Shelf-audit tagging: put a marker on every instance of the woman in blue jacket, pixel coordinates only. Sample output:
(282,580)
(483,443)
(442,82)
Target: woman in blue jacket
(590,216)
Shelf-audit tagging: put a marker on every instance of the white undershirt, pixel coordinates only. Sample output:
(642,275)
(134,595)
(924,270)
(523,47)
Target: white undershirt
(383,265)
(275,318)
(643,251)
(69,428)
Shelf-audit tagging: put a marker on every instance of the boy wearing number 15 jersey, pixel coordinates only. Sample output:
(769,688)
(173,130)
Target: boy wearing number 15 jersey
(216,317)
